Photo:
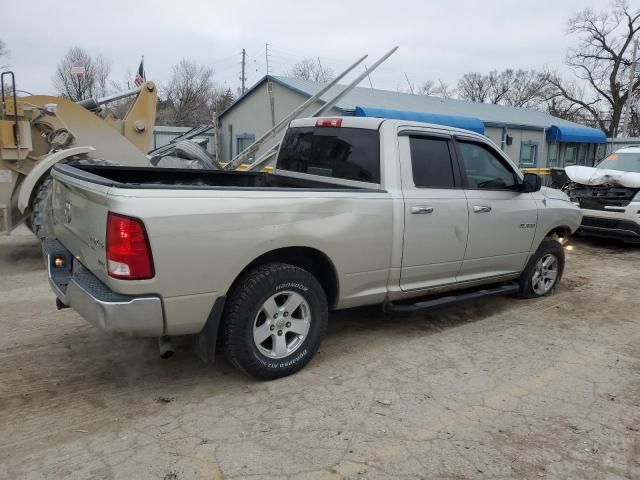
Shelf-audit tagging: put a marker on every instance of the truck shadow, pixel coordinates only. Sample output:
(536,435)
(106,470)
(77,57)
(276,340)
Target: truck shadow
(610,245)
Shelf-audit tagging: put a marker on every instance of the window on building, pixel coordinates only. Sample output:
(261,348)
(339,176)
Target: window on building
(485,169)
(431,162)
(570,154)
(528,153)
(243,141)
(552,155)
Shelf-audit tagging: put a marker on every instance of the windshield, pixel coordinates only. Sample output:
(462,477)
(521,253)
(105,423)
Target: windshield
(624,162)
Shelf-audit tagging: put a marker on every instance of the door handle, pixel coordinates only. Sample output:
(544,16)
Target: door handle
(421,210)
(481,208)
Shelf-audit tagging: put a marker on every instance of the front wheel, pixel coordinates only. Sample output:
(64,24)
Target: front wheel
(274,321)
(543,271)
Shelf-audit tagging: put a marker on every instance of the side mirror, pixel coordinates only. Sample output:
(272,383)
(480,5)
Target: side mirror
(531,182)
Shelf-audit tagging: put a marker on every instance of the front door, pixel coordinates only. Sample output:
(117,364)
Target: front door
(502,219)
(435,212)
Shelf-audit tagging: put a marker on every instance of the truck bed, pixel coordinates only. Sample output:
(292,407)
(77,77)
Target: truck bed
(178,178)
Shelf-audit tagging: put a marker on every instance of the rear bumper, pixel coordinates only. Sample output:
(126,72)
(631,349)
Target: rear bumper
(112,312)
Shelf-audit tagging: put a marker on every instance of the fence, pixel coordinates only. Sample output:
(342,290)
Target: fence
(163,135)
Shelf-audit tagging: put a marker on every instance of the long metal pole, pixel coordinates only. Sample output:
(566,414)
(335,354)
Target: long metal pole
(627,105)
(269,153)
(243,78)
(350,87)
(249,151)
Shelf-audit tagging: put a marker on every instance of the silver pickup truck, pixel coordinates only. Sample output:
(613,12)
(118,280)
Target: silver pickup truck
(358,211)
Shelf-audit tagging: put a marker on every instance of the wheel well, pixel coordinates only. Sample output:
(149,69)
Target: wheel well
(560,232)
(309,259)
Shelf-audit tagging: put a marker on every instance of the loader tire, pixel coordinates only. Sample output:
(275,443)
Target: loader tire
(41,220)
(170,161)
(192,151)
(41,211)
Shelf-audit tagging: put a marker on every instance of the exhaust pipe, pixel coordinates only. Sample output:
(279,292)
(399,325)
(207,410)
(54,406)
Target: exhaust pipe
(165,345)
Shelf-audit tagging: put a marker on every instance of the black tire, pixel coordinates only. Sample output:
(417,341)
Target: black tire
(170,161)
(192,151)
(547,247)
(245,305)
(41,211)
(41,221)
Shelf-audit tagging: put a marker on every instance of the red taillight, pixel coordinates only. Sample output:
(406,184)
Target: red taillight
(128,251)
(329,122)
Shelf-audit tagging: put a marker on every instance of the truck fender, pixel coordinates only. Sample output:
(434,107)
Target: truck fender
(42,167)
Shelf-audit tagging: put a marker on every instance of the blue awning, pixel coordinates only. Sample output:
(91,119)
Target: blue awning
(575,134)
(467,123)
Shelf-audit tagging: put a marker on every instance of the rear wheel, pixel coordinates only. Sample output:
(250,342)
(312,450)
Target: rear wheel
(274,321)
(543,271)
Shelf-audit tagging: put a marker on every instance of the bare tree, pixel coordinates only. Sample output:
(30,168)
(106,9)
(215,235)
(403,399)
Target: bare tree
(3,53)
(103,84)
(437,89)
(498,85)
(473,86)
(600,64)
(191,95)
(309,69)
(92,83)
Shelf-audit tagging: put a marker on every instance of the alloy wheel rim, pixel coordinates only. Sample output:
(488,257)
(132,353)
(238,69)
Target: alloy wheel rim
(282,324)
(545,274)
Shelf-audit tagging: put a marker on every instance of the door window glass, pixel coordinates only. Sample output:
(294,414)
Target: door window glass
(484,169)
(431,162)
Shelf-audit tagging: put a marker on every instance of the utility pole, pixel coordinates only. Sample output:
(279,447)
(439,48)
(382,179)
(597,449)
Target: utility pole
(627,105)
(266,56)
(243,79)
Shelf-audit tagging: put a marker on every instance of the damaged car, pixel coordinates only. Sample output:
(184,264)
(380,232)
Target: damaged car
(609,195)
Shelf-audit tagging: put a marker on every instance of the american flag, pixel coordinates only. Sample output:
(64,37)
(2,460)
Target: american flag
(140,77)
(78,69)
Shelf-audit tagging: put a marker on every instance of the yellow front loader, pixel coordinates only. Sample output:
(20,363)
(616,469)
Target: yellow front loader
(38,131)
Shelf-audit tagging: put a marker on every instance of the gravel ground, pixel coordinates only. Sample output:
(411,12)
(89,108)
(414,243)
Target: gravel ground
(499,388)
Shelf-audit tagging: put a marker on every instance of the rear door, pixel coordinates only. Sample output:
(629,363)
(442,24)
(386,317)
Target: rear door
(435,211)
(502,220)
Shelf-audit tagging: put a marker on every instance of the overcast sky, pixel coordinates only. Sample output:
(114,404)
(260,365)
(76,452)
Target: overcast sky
(437,39)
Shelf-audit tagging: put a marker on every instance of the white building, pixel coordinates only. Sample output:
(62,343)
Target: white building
(530,137)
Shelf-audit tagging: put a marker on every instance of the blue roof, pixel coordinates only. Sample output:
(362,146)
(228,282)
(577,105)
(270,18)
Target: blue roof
(467,123)
(575,134)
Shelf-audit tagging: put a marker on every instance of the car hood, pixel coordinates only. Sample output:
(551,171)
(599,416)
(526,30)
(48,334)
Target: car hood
(601,176)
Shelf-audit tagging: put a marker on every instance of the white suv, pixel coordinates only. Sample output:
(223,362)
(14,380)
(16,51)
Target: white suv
(609,195)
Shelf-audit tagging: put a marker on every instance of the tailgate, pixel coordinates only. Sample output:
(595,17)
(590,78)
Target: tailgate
(80,212)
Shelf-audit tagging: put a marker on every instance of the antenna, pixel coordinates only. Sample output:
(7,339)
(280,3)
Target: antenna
(368,76)
(408,82)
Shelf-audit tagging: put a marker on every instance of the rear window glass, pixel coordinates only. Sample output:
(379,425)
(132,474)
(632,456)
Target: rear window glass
(348,153)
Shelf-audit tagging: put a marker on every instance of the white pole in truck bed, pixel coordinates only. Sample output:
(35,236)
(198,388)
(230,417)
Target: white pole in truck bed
(253,148)
(264,158)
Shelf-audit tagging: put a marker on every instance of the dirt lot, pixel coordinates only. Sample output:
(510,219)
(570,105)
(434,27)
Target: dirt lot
(499,388)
